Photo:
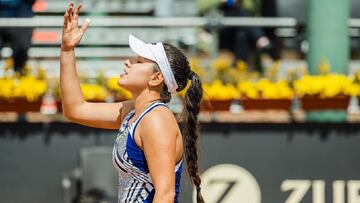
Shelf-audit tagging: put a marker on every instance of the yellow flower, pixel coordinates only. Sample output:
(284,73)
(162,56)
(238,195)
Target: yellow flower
(325,86)
(221,63)
(194,64)
(357,75)
(242,66)
(9,64)
(266,89)
(93,92)
(27,87)
(41,73)
(112,84)
(218,91)
(324,67)
(248,89)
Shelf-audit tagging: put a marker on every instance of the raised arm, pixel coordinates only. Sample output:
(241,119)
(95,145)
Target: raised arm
(75,108)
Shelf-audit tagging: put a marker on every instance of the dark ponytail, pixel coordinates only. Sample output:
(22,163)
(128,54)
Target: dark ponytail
(191,131)
(182,72)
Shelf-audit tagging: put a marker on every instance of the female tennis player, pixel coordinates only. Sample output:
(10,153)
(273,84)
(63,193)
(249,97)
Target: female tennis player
(149,148)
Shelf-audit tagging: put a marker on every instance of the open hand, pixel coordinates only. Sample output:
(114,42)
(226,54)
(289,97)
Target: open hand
(72,34)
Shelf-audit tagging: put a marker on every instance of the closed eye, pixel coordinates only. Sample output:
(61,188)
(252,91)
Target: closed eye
(135,60)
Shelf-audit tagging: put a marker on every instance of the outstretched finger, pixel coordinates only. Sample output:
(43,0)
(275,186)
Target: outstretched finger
(70,10)
(85,25)
(66,19)
(76,15)
(67,16)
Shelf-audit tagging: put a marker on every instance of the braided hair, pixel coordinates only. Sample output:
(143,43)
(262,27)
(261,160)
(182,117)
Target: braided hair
(182,72)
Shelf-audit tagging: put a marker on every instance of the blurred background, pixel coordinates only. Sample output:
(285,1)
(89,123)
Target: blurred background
(280,115)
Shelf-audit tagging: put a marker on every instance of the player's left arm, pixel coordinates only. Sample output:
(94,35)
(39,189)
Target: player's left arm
(158,139)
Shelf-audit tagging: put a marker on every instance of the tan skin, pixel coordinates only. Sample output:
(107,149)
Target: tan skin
(158,133)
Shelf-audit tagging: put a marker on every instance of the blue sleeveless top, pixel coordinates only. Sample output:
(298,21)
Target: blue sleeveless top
(135,183)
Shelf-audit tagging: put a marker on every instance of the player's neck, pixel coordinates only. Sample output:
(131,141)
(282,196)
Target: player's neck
(143,100)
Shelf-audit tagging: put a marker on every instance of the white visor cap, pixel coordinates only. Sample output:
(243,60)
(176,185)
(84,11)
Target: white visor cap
(156,53)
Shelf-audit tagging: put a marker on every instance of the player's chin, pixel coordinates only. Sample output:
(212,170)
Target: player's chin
(126,84)
(122,82)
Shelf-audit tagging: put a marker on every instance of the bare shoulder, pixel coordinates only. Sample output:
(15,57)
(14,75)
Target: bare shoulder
(160,119)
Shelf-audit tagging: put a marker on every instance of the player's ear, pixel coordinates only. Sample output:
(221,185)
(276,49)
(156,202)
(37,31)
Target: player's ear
(156,79)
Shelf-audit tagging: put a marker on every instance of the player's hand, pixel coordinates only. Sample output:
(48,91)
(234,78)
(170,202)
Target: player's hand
(72,34)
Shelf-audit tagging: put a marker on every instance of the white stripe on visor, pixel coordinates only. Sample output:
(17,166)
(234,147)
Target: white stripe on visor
(156,53)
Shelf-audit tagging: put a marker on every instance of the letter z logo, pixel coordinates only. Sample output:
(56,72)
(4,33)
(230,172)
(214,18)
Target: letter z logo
(228,183)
